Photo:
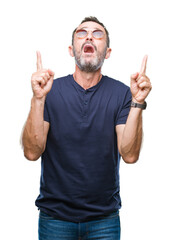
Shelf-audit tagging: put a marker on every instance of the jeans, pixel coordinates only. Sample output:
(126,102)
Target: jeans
(105,228)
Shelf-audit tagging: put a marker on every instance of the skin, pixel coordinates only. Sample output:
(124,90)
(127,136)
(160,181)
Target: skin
(87,80)
(36,129)
(129,135)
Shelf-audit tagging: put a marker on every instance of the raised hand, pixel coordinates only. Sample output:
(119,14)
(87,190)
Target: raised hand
(42,80)
(140,84)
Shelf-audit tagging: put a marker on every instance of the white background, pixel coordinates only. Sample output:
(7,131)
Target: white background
(136,28)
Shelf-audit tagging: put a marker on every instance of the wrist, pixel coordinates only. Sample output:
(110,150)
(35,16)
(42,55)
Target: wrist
(136,101)
(39,101)
(38,98)
(139,105)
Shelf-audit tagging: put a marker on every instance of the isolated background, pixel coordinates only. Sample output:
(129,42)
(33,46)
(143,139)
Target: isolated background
(136,28)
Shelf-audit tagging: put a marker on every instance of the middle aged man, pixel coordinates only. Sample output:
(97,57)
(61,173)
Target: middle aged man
(80,125)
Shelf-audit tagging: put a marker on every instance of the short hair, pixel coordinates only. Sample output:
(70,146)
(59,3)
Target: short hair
(93,19)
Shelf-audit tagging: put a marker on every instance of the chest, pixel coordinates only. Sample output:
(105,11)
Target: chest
(84,106)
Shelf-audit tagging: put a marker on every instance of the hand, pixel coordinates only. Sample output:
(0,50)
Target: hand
(140,84)
(42,80)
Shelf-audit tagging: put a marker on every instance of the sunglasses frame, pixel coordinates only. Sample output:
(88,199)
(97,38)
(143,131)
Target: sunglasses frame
(92,33)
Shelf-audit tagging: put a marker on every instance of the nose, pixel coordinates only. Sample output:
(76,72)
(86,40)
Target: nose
(89,37)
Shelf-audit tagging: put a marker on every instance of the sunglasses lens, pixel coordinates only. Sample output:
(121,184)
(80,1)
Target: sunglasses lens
(98,34)
(81,33)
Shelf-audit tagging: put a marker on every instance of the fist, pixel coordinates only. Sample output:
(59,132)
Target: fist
(42,80)
(140,84)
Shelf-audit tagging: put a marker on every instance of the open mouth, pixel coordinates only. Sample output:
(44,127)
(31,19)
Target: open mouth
(88,48)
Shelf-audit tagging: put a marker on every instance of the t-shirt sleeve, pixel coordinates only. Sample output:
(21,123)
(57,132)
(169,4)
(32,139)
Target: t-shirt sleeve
(124,109)
(46,114)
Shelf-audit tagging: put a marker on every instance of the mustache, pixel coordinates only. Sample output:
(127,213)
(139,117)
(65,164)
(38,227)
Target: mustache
(90,44)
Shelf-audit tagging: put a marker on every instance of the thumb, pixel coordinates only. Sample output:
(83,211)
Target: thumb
(51,72)
(134,76)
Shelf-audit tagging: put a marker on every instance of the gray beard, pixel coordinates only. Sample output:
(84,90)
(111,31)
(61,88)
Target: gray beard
(89,66)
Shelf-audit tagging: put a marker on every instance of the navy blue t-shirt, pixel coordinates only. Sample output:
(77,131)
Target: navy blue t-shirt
(80,165)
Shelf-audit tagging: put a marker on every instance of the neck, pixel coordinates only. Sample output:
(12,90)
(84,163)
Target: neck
(87,80)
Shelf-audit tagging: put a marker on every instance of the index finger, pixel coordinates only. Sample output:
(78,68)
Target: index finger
(143,66)
(39,61)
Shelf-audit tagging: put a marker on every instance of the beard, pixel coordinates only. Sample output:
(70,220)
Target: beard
(91,65)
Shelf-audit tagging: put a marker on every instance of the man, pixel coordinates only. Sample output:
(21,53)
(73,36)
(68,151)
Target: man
(80,125)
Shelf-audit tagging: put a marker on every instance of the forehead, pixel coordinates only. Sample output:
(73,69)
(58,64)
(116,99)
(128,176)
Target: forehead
(91,26)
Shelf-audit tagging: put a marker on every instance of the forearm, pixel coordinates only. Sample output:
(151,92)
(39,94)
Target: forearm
(132,136)
(33,134)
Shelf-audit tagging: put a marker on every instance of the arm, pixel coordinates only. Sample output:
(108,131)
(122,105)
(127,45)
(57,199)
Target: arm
(130,134)
(36,129)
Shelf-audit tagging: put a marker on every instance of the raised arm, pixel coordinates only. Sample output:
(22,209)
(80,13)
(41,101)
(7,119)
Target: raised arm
(36,129)
(130,134)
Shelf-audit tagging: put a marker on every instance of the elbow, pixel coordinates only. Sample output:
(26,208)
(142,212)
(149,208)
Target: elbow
(31,156)
(32,152)
(130,159)
(130,156)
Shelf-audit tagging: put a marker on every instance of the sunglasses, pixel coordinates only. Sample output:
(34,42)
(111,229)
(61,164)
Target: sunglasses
(82,33)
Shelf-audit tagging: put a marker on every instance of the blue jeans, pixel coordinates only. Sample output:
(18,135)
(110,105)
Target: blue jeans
(106,228)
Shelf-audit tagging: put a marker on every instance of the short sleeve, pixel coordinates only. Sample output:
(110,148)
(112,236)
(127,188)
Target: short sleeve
(46,114)
(124,109)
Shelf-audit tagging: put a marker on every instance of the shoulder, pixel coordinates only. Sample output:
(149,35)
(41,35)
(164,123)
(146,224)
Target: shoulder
(115,84)
(61,80)
(60,83)
(118,90)
(59,87)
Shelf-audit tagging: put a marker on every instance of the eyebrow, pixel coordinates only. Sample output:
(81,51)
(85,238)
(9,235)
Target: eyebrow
(83,28)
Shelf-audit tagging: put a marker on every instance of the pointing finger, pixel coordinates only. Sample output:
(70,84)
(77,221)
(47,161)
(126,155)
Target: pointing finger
(39,61)
(143,66)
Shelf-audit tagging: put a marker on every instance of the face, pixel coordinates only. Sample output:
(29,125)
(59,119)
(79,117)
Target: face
(90,48)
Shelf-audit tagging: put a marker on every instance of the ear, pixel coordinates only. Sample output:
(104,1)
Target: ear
(108,52)
(70,49)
